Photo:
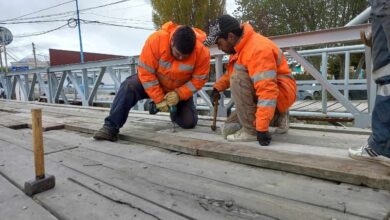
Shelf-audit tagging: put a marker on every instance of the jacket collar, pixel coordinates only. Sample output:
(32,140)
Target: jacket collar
(248,32)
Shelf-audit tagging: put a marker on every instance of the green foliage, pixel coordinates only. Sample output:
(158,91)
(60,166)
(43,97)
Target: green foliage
(276,17)
(2,69)
(196,13)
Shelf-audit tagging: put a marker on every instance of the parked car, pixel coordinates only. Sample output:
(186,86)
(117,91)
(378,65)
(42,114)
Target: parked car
(305,94)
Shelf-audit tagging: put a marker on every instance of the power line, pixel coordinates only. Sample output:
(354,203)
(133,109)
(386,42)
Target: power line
(33,22)
(116,25)
(127,19)
(40,33)
(62,14)
(105,5)
(12,56)
(70,12)
(54,6)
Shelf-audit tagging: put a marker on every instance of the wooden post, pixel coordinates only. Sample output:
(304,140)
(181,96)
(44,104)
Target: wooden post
(36,115)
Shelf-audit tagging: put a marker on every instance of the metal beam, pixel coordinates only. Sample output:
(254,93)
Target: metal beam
(22,87)
(335,35)
(96,85)
(94,64)
(42,85)
(114,78)
(323,81)
(360,18)
(32,88)
(60,87)
(13,86)
(85,83)
(76,85)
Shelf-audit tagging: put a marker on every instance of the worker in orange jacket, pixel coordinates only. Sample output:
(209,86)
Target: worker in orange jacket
(173,65)
(260,80)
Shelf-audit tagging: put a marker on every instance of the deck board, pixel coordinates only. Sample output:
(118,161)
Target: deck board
(152,173)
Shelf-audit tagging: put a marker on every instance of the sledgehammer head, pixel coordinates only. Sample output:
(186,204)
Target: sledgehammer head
(39,185)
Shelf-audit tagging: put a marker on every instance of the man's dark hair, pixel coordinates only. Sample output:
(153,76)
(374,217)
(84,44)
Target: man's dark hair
(184,39)
(238,32)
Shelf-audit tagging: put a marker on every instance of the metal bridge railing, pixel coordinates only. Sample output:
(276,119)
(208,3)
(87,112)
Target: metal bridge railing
(51,80)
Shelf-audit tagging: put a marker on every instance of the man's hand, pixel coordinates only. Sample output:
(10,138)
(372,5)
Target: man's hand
(163,106)
(264,138)
(172,98)
(215,95)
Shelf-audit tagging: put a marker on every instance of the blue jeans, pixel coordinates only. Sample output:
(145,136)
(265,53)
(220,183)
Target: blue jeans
(379,140)
(130,92)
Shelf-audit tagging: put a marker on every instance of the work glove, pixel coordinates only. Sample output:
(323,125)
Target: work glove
(215,96)
(172,98)
(163,106)
(264,138)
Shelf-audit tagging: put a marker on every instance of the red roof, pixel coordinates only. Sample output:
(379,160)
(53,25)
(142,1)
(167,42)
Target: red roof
(62,57)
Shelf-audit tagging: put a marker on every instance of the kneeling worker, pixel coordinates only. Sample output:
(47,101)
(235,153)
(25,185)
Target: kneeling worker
(173,65)
(260,80)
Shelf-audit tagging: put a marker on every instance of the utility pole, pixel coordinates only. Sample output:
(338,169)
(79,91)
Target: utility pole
(1,59)
(35,56)
(78,25)
(5,52)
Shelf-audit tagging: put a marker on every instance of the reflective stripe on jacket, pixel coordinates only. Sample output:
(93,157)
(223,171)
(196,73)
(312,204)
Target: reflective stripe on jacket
(159,71)
(266,65)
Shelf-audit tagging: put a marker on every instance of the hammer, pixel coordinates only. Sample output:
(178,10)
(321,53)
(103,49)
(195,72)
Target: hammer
(214,125)
(41,182)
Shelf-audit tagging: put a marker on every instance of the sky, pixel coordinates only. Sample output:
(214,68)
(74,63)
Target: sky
(96,38)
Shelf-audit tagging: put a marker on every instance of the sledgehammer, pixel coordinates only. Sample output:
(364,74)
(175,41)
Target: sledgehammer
(41,182)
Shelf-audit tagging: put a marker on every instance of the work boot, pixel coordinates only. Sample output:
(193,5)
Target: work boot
(241,135)
(282,122)
(230,128)
(106,133)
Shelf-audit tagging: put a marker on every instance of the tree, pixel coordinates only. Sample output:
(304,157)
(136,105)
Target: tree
(276,17)
(196,13)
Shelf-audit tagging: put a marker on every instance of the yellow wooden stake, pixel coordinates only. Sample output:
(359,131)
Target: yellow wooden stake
(39,162)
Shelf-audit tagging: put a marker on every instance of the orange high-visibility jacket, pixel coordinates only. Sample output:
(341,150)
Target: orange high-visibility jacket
(159,71)
(264,62)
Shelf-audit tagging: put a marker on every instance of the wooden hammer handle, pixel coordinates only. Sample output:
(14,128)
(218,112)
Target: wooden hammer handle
(214,125)
(36,115)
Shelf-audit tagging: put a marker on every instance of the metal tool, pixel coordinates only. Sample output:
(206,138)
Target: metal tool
(172,110)
(42,182)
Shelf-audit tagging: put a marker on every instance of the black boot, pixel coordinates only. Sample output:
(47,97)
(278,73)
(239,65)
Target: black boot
(106,133)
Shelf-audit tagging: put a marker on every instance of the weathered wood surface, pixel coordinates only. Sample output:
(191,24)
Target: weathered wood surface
(332,106)
(14,204)
(317,154)
(137,179)
(102,180)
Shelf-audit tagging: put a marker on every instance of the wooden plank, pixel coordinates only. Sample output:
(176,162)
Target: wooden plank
(57,110)
(70,115)
(337,169)
(87,198)
(294,142)
(331,129)
(191,145)
(24,140)
(343,170)
(347,198)
(299,103)
(14,204)
(183,145)
(307,103)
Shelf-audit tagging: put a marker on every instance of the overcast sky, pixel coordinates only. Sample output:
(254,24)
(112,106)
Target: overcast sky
(96,38)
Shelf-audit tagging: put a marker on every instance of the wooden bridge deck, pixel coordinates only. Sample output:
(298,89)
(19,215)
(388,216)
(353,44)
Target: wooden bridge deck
(152,173)
(332,106)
